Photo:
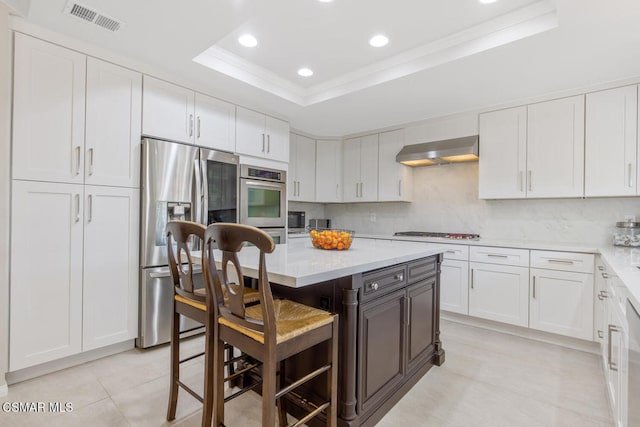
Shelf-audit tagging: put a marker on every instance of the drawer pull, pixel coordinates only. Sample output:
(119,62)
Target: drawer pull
(601,267)
(605,275)
(497,256)
(373,286)
(399,276)
(603,295)
(561,261)
(450,252)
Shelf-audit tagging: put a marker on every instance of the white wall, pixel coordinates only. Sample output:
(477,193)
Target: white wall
(445,199)
(5,164)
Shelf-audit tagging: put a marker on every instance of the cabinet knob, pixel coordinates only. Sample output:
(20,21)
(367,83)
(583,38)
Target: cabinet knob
(399,276)
(373,286)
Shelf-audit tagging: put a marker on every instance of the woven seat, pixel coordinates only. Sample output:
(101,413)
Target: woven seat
(193,303)
(270,332)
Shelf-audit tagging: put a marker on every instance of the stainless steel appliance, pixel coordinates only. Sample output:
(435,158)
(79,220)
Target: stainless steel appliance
(455,236)
(181,182)
(320,223)
(633,321)
(263,195)
(296,222)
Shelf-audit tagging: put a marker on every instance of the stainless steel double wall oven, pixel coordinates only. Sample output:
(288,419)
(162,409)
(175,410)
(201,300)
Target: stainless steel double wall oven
(263,198)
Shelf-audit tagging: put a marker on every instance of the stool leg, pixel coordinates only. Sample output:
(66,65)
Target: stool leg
(209,380)
(175,364)
(281,403)
(218,379)
(269,366)
(332,377)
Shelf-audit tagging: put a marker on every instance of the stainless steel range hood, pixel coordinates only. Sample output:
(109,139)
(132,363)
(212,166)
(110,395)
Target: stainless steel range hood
(455,150)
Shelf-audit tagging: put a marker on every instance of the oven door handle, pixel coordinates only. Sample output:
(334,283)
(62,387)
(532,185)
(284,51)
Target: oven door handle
(278,186)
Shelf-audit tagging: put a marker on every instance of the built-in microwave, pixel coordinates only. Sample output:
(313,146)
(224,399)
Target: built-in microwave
(263,195)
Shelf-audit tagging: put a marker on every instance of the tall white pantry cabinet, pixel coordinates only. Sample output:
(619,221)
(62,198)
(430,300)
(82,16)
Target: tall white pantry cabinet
(75,203)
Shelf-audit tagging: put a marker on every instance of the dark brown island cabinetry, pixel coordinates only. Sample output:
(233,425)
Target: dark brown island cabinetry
(389,336)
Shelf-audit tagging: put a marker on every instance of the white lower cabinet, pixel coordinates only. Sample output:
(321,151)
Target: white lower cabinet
(499,292)
(110,297)
(562,303)
(58,231)
(454,286)
(46,273)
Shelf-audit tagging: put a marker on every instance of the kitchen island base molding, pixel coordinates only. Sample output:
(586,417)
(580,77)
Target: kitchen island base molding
(389,337)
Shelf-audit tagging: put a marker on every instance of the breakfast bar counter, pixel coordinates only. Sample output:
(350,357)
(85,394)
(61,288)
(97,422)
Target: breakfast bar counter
(387,295)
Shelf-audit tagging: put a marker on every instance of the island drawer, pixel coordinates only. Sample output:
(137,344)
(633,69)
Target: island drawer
(422,269)
(383,281)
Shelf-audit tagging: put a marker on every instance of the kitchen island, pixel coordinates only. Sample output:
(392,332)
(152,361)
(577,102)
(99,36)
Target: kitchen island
(387,295)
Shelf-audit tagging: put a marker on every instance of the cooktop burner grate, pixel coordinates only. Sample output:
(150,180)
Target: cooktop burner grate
(455,236)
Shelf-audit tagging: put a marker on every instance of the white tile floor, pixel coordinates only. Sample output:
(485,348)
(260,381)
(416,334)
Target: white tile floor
(488,379)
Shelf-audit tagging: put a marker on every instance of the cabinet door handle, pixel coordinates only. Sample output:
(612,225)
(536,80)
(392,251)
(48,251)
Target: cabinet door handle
(408,311)
(529,180)
(77,215)
(521,180)
(601,268)
(78,160)
(472,278)
(337,191)
(600,334)
(534,287)
(603,295)
(605,275)
(630,176)
(90,161)
(561,261)
(611,329)
(90,216)
(190,124)
(263,139)
(361,188)
(268,143)
(198,128)
(400,187)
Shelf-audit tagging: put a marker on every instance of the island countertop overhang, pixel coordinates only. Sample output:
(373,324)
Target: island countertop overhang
(297,263)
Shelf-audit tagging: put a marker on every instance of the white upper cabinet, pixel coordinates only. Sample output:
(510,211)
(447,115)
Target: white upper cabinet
(48,112)
(261,136)
(302,169)
(111,259)
(168,111)
(534,151)
(328,171)
(360,169)
(114,110)
(503,154)
(394,179)
(215,123)
(611,142)
(555,148)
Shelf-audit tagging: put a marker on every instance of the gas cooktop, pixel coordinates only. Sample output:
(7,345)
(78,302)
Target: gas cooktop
(456,236)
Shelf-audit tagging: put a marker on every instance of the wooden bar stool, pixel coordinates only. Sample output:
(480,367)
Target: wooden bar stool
(197,305)
(269,332)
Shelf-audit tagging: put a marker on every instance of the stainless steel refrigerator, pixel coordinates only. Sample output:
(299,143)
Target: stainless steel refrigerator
(180,182)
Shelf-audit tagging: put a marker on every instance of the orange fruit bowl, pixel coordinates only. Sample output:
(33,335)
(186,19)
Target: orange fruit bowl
(331,239)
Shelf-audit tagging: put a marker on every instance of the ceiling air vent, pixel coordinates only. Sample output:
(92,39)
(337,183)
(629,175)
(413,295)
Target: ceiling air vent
(81,11)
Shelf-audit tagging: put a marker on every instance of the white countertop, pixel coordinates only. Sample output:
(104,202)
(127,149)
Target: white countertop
(297,263)
(624,262)
(518,244)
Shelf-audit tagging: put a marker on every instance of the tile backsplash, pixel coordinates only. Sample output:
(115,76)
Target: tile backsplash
(445,199)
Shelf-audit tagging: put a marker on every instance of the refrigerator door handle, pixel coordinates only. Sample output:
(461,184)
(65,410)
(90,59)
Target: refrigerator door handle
(197,192)
(204,191)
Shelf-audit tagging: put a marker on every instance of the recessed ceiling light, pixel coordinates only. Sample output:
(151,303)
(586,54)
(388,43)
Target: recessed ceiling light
(247,40)
(305,72)
(378,40)
(487,1)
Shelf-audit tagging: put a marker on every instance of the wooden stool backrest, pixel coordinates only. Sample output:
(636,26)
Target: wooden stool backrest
(230,239)
(179,234)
